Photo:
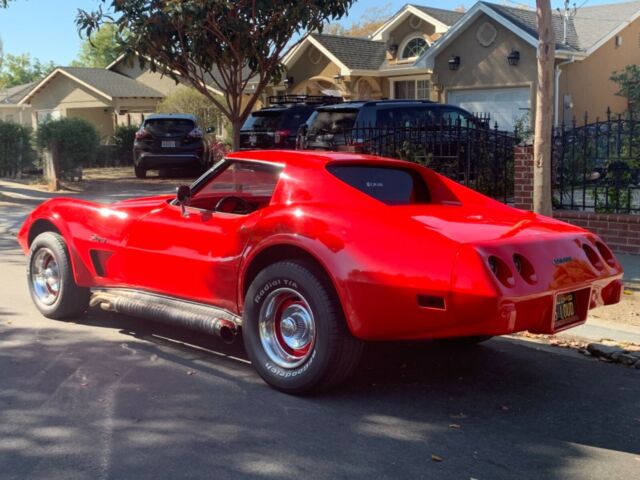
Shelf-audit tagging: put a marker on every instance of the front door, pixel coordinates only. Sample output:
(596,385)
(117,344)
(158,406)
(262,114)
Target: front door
(197,256)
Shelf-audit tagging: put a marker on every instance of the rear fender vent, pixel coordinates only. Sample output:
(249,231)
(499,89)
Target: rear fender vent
(99,260)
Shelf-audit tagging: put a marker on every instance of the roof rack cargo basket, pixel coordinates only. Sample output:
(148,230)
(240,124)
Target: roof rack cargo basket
(304,100)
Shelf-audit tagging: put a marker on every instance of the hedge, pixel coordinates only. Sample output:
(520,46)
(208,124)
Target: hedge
(16,152)
(77,140)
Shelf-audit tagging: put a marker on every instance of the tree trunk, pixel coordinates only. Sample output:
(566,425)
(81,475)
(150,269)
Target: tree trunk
(544,111)
(236,125)
(51,169)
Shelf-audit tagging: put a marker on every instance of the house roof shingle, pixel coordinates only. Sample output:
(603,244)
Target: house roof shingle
(448,17)
(354,53)
(584,29)
(594,23)
(112,83)
(13,95)
(527,21)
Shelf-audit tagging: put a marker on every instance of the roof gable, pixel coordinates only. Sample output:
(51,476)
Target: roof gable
(439,18)
(103,82)
(351,52)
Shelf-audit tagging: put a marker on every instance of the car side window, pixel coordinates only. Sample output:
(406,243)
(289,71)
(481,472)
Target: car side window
(253,183)
(455,117)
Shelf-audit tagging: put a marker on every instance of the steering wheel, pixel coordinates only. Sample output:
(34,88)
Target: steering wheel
(232,204)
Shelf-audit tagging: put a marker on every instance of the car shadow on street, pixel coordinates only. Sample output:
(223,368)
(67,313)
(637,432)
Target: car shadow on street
(167,395)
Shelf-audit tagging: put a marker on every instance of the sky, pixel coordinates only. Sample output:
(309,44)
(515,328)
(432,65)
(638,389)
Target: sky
(46,29)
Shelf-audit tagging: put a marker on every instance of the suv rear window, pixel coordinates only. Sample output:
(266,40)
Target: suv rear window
(161,126)
(262,121)
(334,121)
(390,185)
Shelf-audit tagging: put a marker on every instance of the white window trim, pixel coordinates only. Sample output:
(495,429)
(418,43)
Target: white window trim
(415,78)
(406,41)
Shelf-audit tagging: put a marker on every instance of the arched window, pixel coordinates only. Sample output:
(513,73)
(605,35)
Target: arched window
(414,48)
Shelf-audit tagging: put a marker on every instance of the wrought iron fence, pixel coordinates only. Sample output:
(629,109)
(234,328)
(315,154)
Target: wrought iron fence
(596,166)
(471,153)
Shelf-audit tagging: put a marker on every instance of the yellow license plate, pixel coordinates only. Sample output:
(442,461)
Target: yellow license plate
(566,309)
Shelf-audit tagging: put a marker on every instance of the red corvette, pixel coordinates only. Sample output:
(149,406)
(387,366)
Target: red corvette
(311,254)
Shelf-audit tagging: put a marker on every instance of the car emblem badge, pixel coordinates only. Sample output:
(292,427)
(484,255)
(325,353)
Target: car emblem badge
(561,260)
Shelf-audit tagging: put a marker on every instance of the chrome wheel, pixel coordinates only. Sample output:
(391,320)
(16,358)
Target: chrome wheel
(287,328)
(45,276)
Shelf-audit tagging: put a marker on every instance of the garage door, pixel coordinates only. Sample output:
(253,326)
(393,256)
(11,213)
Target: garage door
(504,105)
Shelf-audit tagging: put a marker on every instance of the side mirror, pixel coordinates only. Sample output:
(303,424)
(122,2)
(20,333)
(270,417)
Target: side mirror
(183,197)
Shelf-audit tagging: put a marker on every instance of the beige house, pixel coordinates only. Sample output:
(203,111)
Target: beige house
(382,66)
(10,109)
(487,61)
(119,94)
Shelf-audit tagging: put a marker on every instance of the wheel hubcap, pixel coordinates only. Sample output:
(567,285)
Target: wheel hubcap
(287,328)
(45,276)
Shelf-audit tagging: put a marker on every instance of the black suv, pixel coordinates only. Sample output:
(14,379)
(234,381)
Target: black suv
(277,126)
(333,126)
(168,140)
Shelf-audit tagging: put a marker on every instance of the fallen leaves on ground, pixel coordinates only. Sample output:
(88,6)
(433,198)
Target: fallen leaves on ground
(436,458)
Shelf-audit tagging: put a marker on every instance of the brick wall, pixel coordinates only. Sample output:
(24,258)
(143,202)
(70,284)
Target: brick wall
(621,232)
(523,177)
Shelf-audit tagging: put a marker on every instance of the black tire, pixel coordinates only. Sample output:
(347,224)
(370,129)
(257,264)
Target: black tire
(465,341)
(334,354)
(140,171)
(70,300)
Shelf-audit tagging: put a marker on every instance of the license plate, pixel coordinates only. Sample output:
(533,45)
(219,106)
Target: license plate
(253,139)
(566,309)
(168,144)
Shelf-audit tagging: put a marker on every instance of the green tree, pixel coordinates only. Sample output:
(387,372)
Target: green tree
(372,19)
(214,43)
(20,69)
(189,100)
(628,81)
(100,50)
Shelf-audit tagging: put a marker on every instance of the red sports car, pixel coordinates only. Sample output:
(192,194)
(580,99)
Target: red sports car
(312,254)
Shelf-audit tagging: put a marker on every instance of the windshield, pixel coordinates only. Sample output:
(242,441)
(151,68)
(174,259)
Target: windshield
(173,126)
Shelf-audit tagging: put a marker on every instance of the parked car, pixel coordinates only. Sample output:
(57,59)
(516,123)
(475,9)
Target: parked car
(169,140)
(277,126)
(279,244)
(381,122)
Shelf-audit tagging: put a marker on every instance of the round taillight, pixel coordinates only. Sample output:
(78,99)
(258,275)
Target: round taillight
(606,254)
(524,268)
(501,271)
(593,257)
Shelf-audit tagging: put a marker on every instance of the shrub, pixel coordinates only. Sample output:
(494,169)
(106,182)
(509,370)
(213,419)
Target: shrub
(123,139)
(78,141)
(16,152)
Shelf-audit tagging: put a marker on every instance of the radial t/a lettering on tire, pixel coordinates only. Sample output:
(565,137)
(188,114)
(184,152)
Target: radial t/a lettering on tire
(51,283)
(294,329)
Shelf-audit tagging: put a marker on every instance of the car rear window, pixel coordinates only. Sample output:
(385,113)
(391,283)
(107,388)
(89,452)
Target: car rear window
(161,126)
(390,185)
(262,121)
(293,119)
(334,121)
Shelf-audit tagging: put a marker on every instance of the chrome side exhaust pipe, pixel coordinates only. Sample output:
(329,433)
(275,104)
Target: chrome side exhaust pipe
(194,316)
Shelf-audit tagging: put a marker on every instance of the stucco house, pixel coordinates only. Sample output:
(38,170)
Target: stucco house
(487,61)
(10,108)
(119,94)
(382,66)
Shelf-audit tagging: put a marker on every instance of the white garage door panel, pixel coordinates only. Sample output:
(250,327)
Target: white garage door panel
(505,105)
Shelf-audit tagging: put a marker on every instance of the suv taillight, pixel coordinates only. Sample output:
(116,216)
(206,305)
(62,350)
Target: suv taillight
(195,133)
(143,134)
(281,136)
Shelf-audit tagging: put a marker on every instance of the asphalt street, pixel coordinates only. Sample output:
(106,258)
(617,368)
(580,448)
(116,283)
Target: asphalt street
(112,397)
